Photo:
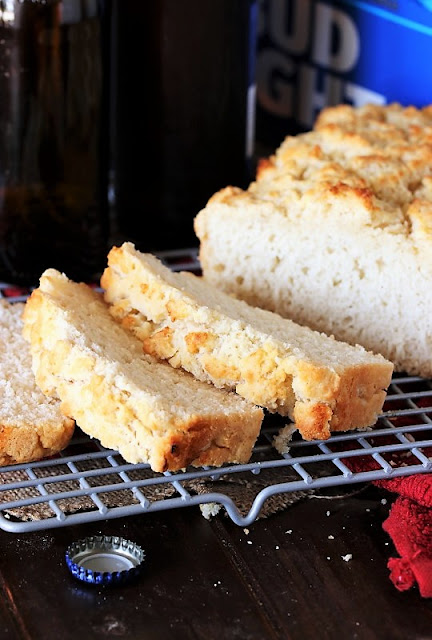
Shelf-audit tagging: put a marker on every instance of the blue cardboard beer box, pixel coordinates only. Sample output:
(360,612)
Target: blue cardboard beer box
(314,53)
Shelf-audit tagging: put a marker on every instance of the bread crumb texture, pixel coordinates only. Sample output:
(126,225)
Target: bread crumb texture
(31,425)
(336,231)
(322,384)
(143,408)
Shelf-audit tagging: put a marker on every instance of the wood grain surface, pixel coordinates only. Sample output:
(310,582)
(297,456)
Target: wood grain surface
(316,570)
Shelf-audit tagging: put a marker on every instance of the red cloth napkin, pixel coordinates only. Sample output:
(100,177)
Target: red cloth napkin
(409,524)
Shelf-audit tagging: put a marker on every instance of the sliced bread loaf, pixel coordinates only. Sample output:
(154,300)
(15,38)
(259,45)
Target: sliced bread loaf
(31,425)
(145,409)
(322,384)
(336,232)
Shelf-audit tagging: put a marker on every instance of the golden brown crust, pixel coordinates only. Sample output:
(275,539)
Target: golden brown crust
(336,232)
(351,400)
(145,409)
(26,443)
(31,426)
(268,360)
(378,158)
(313,420)
(159,345)
(196,340)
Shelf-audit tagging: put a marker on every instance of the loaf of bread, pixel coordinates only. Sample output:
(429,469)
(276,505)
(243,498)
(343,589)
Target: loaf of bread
(322,384)
(336,232)
(129,401)
(31,426)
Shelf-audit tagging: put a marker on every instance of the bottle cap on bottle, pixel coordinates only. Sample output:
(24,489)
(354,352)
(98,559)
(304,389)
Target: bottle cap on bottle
(105,560)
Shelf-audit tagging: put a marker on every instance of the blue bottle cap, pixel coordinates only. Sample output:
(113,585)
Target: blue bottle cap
(105,560)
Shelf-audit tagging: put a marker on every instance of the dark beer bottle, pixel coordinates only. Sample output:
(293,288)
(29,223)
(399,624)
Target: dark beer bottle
(184,112)
(53,138)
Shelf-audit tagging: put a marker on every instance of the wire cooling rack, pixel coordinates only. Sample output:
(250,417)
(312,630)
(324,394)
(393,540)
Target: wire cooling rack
(87,483)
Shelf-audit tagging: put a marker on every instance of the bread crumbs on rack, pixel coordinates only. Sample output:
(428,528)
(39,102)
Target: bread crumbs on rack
(347,557)
(283,438)
(210,509)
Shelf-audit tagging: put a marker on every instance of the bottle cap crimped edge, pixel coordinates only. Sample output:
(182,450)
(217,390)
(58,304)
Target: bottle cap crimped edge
(104,560)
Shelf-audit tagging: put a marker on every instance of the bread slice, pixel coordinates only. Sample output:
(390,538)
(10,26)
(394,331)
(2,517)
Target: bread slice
(130,402)
(31,426)
(336,232)
(322,384)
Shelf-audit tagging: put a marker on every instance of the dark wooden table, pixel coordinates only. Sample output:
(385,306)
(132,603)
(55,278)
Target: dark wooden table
(283,577)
